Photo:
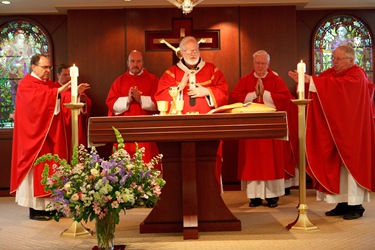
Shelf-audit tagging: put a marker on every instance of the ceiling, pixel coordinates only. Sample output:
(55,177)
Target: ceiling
(61,6)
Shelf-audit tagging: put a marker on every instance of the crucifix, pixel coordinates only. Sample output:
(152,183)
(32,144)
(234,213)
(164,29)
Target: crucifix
(166,40)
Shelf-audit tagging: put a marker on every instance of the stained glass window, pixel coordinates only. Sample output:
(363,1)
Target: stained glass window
(19,41)
(339,30)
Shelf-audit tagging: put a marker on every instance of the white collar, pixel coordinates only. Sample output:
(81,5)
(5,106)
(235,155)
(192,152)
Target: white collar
(37,77)
(255,74)
(140,73)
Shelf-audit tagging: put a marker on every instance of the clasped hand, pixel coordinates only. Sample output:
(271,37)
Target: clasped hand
(135,94)
(259,88)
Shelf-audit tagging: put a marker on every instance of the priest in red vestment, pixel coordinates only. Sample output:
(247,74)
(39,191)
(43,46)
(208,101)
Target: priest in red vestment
(133,94)
(340,134)
(63,77)
(262,162)
(202,86)
(38,130)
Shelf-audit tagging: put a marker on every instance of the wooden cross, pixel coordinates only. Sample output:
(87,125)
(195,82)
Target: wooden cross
(167,40)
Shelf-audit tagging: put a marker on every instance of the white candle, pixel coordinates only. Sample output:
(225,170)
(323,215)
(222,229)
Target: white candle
(301,70)
(74,81)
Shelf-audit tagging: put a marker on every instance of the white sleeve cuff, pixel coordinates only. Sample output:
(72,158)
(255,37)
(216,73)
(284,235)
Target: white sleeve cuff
(121,105)
(147,103)
(251,96)
(267,99)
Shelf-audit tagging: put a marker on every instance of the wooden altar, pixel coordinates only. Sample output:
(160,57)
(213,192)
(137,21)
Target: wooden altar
(190,201)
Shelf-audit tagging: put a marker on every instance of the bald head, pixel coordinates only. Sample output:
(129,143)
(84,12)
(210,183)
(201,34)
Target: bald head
(135,62)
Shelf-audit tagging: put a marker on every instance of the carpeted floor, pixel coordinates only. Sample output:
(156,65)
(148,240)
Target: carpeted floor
(262,228)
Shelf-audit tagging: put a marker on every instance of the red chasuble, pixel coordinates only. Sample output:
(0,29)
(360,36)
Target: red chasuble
(37,130)
(147,85)
(208,76)
(340,129)
(263,159)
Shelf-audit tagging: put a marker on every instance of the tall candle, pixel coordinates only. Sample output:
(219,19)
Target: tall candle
(301,70)
(74,82)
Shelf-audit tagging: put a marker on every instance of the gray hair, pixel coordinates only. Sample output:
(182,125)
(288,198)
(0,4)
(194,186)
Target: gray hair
(187,39)
(348,50)
(262,53)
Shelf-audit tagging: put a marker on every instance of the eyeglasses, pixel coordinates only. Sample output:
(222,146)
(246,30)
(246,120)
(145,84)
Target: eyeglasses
(46,67)
(339,58)
(191,51)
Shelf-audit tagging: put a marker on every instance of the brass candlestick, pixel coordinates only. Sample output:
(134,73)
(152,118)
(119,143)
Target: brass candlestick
(302,222)
(76,229)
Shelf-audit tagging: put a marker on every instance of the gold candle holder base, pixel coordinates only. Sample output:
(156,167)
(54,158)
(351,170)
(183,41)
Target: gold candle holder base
(77,230)
(302,222)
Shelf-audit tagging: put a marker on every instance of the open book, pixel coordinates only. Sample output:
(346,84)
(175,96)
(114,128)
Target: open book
(239,107)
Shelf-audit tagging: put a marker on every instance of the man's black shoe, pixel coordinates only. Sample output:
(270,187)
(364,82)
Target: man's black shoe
(354,212)
(272,202)
(341,209)
(287,191)
(41,215)
(255,202)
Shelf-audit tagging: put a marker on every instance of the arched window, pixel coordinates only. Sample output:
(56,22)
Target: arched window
(19,41)
(339,30)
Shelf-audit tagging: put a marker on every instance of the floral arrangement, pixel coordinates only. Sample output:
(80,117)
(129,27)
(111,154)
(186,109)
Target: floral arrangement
(92,187)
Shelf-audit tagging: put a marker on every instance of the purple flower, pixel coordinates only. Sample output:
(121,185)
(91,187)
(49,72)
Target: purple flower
(112,177)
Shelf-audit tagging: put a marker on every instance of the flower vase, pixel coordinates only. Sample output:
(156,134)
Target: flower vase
(105,232)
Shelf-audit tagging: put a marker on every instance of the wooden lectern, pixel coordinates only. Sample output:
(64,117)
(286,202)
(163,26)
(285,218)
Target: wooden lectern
(190,200)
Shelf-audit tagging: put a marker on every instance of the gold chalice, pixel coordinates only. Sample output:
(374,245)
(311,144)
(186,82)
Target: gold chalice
(179,106)
(162,107)
(173,91)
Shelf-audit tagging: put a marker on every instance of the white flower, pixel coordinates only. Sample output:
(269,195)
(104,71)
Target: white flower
(94,172)
(67,185)
(129,167)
